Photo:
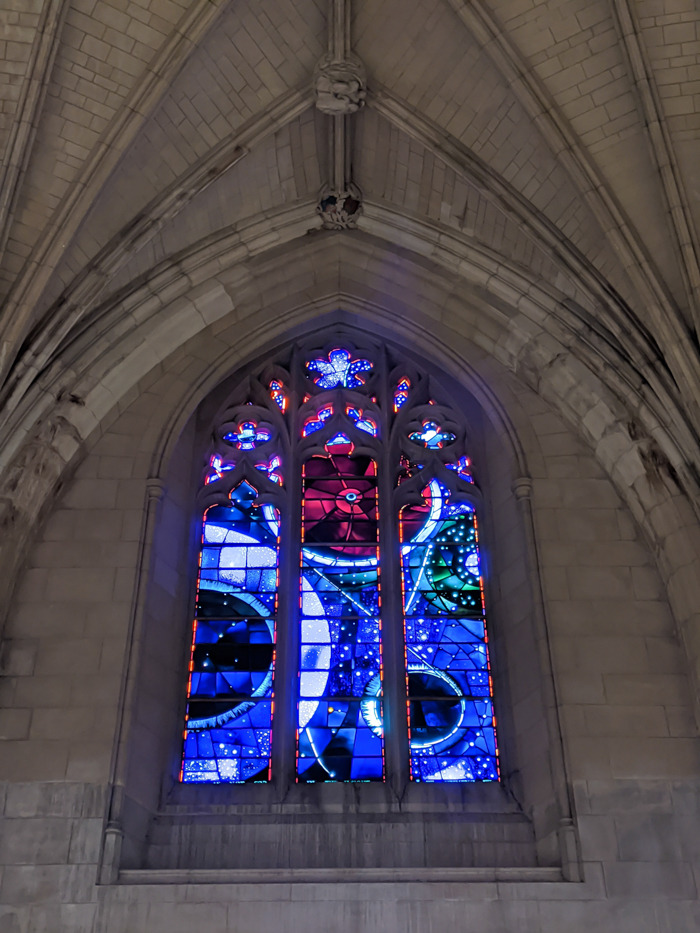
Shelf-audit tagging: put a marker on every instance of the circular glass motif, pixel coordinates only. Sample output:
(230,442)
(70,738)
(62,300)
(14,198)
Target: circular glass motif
(340,504)
(437,709)
(350,501)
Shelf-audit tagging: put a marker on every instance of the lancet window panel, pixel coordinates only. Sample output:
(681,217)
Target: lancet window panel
(337,476)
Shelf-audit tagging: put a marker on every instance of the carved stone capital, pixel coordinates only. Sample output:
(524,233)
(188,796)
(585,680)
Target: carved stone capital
(340,86)
(339,210)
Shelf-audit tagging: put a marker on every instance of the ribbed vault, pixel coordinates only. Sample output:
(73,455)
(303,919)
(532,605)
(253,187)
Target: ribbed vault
(553,100)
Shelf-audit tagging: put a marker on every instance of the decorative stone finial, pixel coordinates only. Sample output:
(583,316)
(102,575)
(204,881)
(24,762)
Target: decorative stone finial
(340,85)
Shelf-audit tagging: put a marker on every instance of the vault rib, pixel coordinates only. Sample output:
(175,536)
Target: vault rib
(661,146)
(668,324)
(31,102)
(15,317)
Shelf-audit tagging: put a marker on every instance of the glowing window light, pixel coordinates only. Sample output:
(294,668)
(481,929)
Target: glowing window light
(450,693)
(218,467)
(228,728)
(339,370)
(247,436)
(401,392)
(340,659)
(431,436)
(340,719)
(363,423)
(315,422)
(272,468)
(278,395)
(462,468)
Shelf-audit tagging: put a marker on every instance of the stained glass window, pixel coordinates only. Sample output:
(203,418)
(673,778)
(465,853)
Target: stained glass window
(340,671)
(306,459)
(278,395)
(451,720)
(360,420)
(229,713)
(401,392)
(339,369)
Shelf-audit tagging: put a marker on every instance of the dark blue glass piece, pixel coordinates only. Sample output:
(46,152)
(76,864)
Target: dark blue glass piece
(248,436)
(278,395)
(315,422)
(361,421)
(340,741)
(401,392)
(463,468)
(431,436)
(237,751)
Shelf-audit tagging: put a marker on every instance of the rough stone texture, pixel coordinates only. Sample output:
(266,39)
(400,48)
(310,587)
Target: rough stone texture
(18,24)
(626,709)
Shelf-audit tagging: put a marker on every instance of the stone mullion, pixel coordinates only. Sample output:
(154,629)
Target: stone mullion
(396,747)
(284,725)
(287,642)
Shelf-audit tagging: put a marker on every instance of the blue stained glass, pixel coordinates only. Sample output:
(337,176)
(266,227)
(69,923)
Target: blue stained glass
(401,392)
(341,442)
(272,468)
(339,370)
(315,422)
(229,712)
(235,753)
(431,436)
(247,436)
(218,467)
(453,740)
(366,424)
(278,395)
(452,726)
(338,743)
(463,467)
(340,733)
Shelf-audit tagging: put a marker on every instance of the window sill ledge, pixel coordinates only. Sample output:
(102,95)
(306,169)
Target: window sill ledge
(337,875)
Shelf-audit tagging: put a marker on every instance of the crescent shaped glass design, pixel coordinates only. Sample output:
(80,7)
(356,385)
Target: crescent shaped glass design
(340,734)
(451,719)
(230,690)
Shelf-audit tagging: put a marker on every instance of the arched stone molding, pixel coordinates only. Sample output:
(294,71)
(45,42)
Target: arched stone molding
(666,321)
(530,304)
(674,366)
(84,292)
(556,839)
(446,300)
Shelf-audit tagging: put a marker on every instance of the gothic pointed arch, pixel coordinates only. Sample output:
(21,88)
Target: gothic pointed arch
(352,458)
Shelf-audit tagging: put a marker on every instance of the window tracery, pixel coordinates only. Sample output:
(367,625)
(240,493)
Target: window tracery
(307,457)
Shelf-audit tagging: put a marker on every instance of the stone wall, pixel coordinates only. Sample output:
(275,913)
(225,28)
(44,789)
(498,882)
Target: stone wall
(626,708)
